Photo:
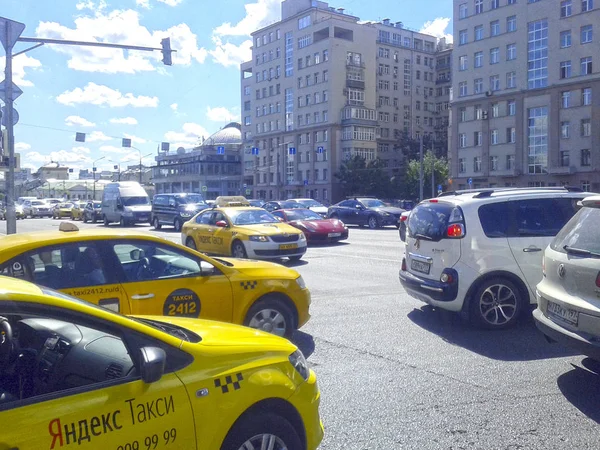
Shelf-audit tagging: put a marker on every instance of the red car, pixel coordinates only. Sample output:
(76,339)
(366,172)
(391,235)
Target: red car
(315,227)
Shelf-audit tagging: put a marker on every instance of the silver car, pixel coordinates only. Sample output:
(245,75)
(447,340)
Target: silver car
(37,208)
(569,294)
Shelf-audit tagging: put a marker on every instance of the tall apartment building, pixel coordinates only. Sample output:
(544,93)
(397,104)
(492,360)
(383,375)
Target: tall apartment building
(523,103)
(322,87)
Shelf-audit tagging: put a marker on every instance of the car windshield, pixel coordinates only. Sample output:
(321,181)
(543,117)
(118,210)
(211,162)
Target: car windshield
(133,201)
(191,199)
(302,214)
(38,203)
(371,203)
(309,203)
(252,217)
(286,205)
(580,233)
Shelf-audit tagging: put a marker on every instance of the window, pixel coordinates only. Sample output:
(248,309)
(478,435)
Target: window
(462,140)
(511,24)
(478,138)
(587,5)
(542,216)
(537,134)
(566,8)
(565,39)
(478,112)
(494,137)
(494,28)
(565,69)
(462,37)
(586,127)
(511,135)
(537,54)
(564,129)
(493,163)
(303,22)
(479,32)
(564,158)
(586,65)
(565,99)
(462,11)
(495,4)
(495,109)
(462,89)
(478,6)
(478,85)
(463,114)
(511,80)
(494,82)
(586,158)
(478,59)
(462,62)
(586,96)
(477,164)
(586,34)
(510,162)
(462,165)
(511,52)
(494,55)
(246,90)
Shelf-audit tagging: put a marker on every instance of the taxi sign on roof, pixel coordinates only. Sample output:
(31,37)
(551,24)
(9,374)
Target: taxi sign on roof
(234,200)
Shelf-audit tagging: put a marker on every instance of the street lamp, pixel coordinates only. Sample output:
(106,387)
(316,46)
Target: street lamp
(94,172)
(142,157)
(118,165)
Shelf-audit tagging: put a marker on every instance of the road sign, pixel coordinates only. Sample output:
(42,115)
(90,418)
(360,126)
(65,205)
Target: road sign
(204,188)
(10,32)
(305,182)
(320,149)
(245,185)
(126,142)
(439,187)
(16,91)
(220,150)
(470,181)
(255,150)
(80,137)
(248,191)
(292,150)
(15,116)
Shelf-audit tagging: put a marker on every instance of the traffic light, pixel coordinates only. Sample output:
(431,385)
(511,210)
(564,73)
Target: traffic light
(166,51)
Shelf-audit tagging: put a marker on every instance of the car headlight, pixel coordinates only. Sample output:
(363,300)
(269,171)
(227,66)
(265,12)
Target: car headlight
(302,237)
(301,282)
(298,360)
(186,213)
(259,238)
(308,227)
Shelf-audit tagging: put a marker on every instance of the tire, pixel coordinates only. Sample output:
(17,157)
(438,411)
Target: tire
(238,250)
(372,222)
(189,242)
(105,220)
(258,430)
(177,224)
(156,224)
(272,315)
(497,304)
(94,220)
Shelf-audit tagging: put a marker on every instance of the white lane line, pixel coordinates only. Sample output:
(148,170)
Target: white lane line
(358,257)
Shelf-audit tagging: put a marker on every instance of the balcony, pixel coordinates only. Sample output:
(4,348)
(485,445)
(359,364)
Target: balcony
(443,80)
(350,63)
(355,84)
(562,170)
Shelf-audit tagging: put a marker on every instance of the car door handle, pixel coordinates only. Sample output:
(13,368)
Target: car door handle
(142,296)
(532,249)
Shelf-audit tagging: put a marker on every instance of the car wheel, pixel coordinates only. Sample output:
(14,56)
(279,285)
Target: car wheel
(156,224)
(496,304)
(189,242)
(177,224)
(271,315)
(238,250)
(373,222)
(94,218)
(105,220)
(262,430)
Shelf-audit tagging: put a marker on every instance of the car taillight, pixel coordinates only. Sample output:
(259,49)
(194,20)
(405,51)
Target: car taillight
(598,280)
(433,200)
(403,218)
(455,230)
(446,278)
(404,266)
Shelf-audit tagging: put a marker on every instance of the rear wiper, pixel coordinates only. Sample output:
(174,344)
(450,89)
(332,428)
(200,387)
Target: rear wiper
(580,251)
(422,236)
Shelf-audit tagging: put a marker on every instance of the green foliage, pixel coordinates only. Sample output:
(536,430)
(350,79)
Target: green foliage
(360,177)
(411,179)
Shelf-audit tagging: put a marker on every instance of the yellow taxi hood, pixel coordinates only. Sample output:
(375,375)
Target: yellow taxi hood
(222,334)
(267,229)
(260,269)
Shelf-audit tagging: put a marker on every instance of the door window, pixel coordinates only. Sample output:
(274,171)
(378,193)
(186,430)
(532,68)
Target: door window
(543,216)
(204,218)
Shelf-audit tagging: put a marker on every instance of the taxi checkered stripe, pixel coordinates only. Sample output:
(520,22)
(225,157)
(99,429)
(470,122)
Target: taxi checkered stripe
(248,284)
(228,382)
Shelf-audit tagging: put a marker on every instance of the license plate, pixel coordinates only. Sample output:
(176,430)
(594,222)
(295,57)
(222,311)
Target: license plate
(420,266)
(334,234)
(287,246)
(567,315)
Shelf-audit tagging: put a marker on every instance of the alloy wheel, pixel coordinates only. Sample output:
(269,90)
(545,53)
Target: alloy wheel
(498,304)
(269,320)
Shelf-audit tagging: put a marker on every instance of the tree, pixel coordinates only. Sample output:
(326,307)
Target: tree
(411,179)
(359,177)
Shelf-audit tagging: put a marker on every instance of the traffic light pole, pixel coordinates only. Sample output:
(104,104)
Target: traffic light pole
(11,218)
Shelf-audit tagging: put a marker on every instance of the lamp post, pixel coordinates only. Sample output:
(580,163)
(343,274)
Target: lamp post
(94,172)
(118,166)
(142,157)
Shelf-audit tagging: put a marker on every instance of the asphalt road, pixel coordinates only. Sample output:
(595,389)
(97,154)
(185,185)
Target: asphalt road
(395,374)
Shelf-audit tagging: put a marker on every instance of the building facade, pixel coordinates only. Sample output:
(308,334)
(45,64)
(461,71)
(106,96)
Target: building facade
(322,87)
(212,169)
(526,91)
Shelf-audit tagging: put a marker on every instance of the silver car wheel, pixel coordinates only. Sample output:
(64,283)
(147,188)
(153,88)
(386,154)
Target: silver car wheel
(269,320)
(264,442)
(498,304)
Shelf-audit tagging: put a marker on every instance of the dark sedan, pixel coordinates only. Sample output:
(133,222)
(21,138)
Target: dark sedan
(92,211)
(281,204)
(365,211)
(315,227)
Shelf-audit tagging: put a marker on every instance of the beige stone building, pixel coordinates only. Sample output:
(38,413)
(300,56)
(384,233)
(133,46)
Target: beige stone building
(526,93)
(322,87)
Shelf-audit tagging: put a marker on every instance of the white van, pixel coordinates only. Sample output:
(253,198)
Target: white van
(125,202)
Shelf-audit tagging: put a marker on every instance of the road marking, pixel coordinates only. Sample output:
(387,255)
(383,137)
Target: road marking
(358,257)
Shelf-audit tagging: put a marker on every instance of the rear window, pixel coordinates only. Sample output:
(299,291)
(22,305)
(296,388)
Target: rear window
(430,220)
(581,232)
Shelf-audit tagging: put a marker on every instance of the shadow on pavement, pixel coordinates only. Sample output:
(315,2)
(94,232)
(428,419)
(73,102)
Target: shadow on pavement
(298,263)
(581,387)
(304,341)
(523,342)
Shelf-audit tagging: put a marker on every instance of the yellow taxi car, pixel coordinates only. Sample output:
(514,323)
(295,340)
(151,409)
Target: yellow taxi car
(62,210)
(140,273)
(73,375)
(233,227)
(77,211)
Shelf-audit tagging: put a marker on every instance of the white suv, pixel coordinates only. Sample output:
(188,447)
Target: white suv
(480,252)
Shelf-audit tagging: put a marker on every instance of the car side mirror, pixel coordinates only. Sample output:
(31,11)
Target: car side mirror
(359,207)
(137,254)
(153,361)
(207,268)
(221,224)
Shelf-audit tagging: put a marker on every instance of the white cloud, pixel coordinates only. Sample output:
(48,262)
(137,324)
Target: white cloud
(135,139)
(111,149)
(120,27)
(135,157)
(20,64)
(97,136)
(81,149)
(190,135)
(143,3)
(171,2)
(91,5)
(100,95)
(220,114)
(258,15)
(174,106)
(437,28)
(62,156)
(22,146)
(72,121)
(124,121)
(228,54)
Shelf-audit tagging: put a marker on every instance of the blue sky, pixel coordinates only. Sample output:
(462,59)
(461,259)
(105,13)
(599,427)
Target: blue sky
(110,94)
